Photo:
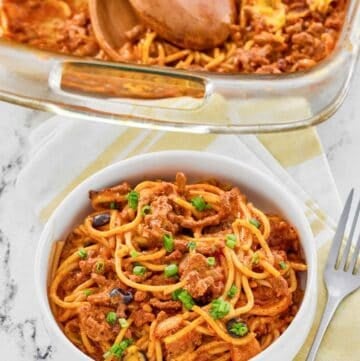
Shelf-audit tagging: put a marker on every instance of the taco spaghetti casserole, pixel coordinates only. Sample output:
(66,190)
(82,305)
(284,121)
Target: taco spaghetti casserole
(176,271)
(268,36)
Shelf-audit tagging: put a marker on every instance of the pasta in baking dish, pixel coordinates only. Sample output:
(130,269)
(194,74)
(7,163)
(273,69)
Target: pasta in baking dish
(176,271)
(269,36)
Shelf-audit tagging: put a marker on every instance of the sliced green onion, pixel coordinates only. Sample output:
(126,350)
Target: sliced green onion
(168,242)
(191,245)
(133,199)
(219,308)
(283,265)
(87,293)
(82,253)
(175,294)
(211,261)
(239,329)
(254,222)
(171,270)
(123,322)
(231,241)
(134,253)
(111,318)
(139,270)
(200,204)
(145,210)
(255,259)
(232,291)
(186,299)
(118,349)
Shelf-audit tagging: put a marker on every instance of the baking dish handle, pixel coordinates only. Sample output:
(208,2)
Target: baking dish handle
(124,83)
(170,99)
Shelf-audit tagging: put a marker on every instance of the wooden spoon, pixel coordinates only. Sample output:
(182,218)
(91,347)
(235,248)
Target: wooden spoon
(195,24)
(110,20)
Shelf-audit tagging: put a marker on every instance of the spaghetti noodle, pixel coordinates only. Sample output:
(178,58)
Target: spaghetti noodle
(276,37)
(169,270)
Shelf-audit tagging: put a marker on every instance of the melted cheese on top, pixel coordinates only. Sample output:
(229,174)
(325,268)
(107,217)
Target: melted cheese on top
(319,5)
(273,12)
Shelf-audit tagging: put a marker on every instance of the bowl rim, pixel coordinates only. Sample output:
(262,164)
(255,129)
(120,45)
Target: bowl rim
(309,301)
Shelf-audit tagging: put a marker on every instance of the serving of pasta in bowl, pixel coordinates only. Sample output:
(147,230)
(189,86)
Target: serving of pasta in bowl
(178,256)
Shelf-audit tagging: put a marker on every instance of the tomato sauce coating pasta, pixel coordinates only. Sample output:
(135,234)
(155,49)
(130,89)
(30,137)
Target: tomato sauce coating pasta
(176,271)
(280,36)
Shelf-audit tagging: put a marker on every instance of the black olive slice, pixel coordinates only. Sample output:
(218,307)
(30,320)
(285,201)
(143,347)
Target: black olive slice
(126,296)
(100,220)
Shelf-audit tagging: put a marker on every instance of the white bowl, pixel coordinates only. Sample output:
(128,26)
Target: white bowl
(260,189)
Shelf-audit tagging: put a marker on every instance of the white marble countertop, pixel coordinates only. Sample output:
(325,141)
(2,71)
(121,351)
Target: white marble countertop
(22,334)
(340,137)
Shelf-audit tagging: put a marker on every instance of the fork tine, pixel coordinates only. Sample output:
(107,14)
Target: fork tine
(339,235)
(355,256)
(349,241)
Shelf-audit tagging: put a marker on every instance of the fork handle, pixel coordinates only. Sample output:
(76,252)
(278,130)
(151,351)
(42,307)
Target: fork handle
(330,308)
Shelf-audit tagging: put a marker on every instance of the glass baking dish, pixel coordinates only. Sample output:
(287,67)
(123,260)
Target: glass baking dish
(169,99)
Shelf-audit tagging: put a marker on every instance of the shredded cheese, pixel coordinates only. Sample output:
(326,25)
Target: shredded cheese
(273,12)
(319,5)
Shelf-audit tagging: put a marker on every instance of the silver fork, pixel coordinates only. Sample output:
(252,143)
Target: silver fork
(340,278)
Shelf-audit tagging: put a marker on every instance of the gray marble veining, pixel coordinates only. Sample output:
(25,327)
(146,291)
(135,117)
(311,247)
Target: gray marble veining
(340,136)
(22,334)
